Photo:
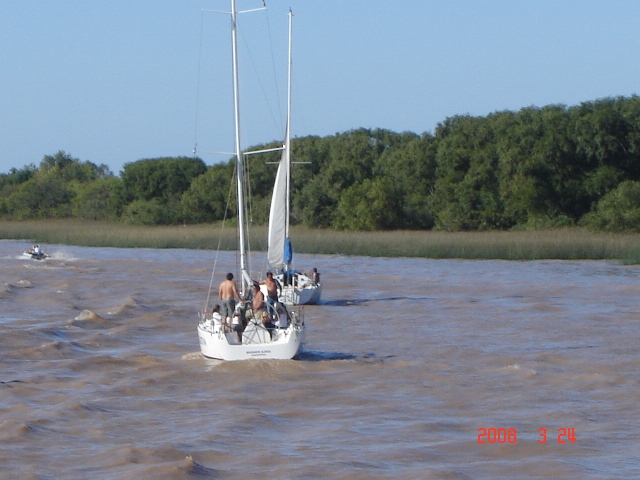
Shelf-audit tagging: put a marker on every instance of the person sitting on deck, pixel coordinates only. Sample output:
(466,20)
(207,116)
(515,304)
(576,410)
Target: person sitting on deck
(260,309)
(238,321)
(282,315)
(217,318)
(267,323)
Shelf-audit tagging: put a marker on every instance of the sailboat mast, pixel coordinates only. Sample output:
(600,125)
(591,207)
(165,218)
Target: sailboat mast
(288,136)
(239,153)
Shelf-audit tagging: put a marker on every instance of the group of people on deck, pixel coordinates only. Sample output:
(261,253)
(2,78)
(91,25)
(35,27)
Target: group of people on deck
(264,312)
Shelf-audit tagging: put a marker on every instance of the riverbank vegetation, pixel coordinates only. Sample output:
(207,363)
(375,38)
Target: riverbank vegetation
(535,169)
(562,244)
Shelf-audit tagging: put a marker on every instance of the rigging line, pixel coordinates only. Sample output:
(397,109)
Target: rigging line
(247,237)
(255,71)
(273,65)
(238,206)
(195,130)
(222,225)
(300,114)
(234,186)
(247,190)
(249,213)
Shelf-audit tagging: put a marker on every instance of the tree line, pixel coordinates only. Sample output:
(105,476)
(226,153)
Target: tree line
(536,168)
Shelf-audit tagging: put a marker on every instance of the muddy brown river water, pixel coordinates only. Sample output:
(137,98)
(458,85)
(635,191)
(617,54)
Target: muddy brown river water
(412,368)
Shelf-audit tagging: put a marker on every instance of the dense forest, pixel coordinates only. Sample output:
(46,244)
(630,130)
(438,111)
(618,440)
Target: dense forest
(535,168)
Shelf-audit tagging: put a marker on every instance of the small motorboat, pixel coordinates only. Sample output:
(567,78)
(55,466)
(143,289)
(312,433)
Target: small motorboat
(35,253)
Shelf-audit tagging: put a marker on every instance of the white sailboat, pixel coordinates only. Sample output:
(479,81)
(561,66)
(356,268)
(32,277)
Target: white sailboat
(217,340)
(296,288)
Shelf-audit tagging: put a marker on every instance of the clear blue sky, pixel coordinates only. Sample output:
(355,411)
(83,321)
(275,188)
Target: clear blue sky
(117,81)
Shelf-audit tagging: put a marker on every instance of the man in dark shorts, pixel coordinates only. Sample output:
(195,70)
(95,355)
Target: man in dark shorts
(272,289)
(228,293)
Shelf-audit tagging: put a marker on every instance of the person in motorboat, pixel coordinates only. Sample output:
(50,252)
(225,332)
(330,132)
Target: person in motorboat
(228,293)
(315,276)
(36,250)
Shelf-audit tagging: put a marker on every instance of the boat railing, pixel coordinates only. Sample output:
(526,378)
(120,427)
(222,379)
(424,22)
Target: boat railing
(246,317)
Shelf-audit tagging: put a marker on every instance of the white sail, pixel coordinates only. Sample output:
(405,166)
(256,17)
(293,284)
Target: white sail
(278,216)
(279,254)
(297,288)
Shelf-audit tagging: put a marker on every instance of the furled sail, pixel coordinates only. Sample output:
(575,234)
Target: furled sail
(278,216)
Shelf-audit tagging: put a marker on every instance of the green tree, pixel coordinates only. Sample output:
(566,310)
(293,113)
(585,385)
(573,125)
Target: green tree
(161,178)
(16,177)
(207,196)
(158,184)
(618,210)
(466,192)
(525,175)
(411,167)
(146,212)
(100,199)
(45,195)
(370,205)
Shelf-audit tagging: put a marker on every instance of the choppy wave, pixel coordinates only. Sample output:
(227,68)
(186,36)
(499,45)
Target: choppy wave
(128,304)
(22,284)
(90,320)
(54,350)
(87,315)
(5,288)
(101,359)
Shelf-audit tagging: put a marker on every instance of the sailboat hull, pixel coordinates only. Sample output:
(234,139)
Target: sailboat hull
(286,344)
(298,289)
(256,341)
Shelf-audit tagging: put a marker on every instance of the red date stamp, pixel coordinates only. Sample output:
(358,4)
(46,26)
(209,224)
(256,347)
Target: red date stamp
(510,435)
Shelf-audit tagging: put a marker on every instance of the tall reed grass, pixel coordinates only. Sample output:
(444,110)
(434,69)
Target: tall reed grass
(562,244)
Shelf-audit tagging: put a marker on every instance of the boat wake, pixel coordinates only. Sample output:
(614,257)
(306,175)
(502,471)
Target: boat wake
(315,356)
(63,256)
(527,372)
(192,356)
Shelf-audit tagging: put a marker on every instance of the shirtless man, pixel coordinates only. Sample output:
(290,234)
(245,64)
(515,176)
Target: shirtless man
(228,293)
(258,302)
(315,276)
(272,289)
